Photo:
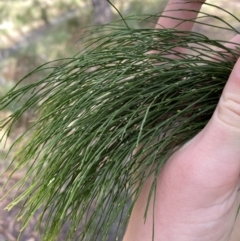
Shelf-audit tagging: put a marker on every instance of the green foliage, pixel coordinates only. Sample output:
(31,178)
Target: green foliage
(137,8)
(24,12)
(97,107)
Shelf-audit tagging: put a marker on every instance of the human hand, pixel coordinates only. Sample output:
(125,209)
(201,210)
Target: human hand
(197,190)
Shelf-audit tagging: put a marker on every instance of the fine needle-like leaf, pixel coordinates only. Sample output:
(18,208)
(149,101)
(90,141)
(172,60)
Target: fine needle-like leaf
(96,108)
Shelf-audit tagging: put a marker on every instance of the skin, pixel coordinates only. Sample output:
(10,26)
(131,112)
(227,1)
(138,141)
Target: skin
(197,191)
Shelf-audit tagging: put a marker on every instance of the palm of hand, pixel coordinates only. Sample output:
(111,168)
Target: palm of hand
(204,200)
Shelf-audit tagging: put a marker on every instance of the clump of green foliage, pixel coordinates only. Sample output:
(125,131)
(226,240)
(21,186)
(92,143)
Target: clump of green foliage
(95,109)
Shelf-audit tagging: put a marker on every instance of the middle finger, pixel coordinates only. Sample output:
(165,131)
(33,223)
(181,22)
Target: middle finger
(178,12)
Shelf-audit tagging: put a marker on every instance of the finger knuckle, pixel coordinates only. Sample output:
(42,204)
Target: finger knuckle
(229,110)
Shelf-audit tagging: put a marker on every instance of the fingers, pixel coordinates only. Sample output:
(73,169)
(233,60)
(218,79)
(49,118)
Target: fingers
(192,9)
(176,13)
(231,44)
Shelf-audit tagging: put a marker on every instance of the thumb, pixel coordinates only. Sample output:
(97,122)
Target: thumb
(228,109)
(224,126)
(225,122)
(215,152)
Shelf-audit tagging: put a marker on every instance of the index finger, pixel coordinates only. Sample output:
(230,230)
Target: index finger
(177,12)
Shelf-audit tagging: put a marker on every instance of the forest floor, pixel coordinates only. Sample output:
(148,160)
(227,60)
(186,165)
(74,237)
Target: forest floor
(9,225)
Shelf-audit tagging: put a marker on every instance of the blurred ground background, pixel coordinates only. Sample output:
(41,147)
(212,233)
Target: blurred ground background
(33,32)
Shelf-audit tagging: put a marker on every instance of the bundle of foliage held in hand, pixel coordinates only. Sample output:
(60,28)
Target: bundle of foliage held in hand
(94,110)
